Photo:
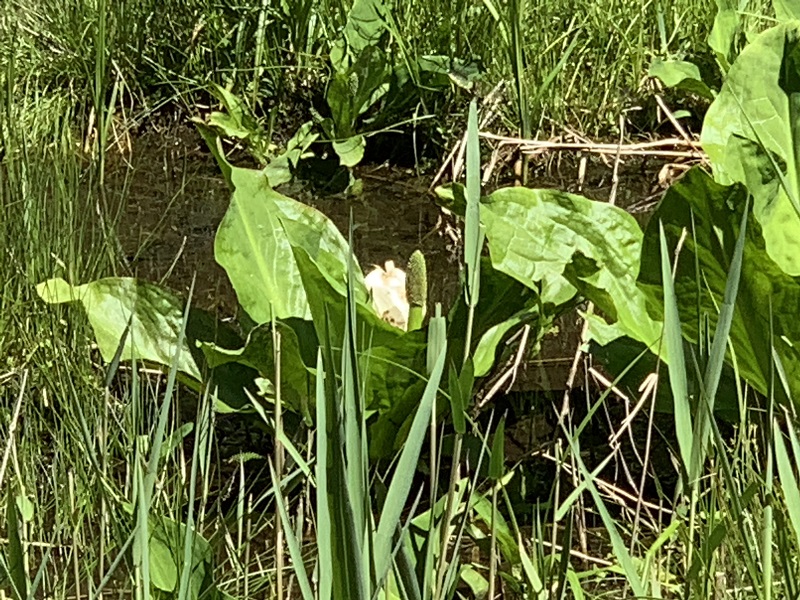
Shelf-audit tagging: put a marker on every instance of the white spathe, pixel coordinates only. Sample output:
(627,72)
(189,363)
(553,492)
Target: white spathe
(387,287)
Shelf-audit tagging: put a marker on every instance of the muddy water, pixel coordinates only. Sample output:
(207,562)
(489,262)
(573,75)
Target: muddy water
(174,198)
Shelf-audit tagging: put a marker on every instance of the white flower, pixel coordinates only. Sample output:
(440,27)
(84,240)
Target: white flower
(387,287)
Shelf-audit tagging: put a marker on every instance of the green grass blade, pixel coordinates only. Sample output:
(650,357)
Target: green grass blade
(16,556)
(791,491)
(199,449)
(356,450)
(142,543)
(497,460)
(354,457)
(458,398)
(437,338)
(349,580)
(163,416)
(473,231)
(404,474)
(292,450)
(470,492)
(324,538)
(618,545)
(676,360)
(738,505)
(291,541)
(716,358)
(529,570)
(406,575)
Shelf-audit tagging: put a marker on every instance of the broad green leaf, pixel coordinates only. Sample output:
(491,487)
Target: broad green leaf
(723,33)
(228,125)
(368,79)
(257,353)
(562,242)
(350,93)
(341,98)
(350,151)
(280,169)
(486,350)
(361,78)
(237,122)
(786,10)
(441,71)
(680,74)
(709,215)
(166,549)
(509,548)
(214,143)
(254,245)
(748,135)
(504,304)
(25,507)
(476,582)
(155,316)
(365,26)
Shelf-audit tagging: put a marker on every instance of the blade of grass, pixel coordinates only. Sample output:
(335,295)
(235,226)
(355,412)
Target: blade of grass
(676,361)
(791,491)
(403,476)
(142,543)
(737,510)
(473,246)
(324,541)
(496,468)
(619,547)
(199,448)
(717,355)
(473,230)
(291,541)
(163,416)
(16,555)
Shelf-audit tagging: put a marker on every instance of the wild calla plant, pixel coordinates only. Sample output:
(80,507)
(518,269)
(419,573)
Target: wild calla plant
(286,262)
(752,136)
(566,247)
(238,123)
(734,29)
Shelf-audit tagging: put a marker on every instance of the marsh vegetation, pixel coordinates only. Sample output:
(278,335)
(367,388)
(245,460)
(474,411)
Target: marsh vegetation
(575,378)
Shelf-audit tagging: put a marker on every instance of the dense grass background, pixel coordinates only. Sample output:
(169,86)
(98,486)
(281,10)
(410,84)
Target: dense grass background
(583,62)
